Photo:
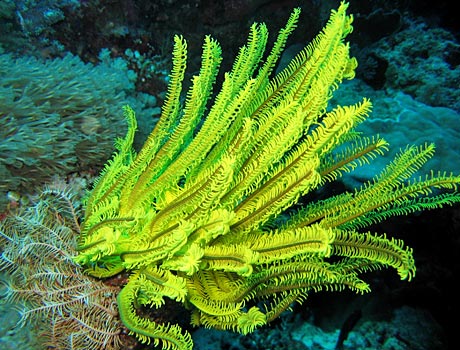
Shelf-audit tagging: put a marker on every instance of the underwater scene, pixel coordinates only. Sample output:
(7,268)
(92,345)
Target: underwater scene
(229,175)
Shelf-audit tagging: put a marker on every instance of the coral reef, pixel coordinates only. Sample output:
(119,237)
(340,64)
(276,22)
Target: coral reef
(401,329)
(26,25)
(139,31)
(418,58)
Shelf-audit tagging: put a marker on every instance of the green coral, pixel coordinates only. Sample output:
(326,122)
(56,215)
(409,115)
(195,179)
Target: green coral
(203,213)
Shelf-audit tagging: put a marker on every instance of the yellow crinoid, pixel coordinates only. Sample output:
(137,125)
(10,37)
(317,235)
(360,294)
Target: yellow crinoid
(201,214)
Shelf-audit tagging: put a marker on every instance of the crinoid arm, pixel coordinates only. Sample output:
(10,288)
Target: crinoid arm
(149,288)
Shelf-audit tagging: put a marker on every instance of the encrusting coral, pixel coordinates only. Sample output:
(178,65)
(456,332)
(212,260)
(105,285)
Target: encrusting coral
(203,213)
